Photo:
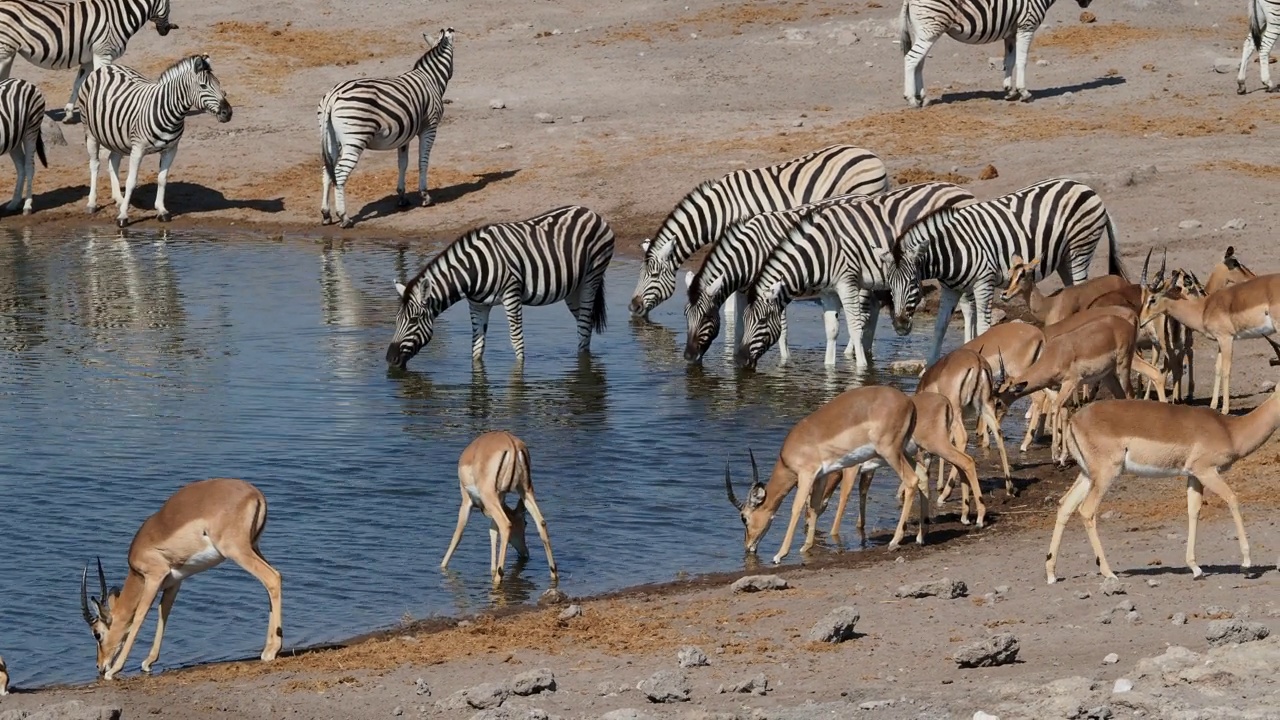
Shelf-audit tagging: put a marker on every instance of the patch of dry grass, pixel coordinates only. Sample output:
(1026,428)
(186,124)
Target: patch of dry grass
(726,18)
(1093,37)
(914,175)
(1266,172)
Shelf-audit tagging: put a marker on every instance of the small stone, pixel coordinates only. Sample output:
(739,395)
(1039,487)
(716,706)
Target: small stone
(70,710)
(553,596)
(1235,224)
(1002,589)
(691,656)
(757,685)
(836,627)
(1083,595)
(946,588)
(626,714)
(421,687)
(504,146)
(1103,712)
(534,681)
(480,697)
(557,31)
(1088,17)
(1123,685)
(1125,606)
(797,123)
(1189,224)
(979,715)
(545,118)
(906,367)
(665,686)
(496,104)
(398,711)
(608,689)
(1152,582)
(996,650)
(1042,62)
(1105,618)
(875,704)
(575,119)
(1180,618)
(1133,617)
(570,612)
(797,35)
(988,173)
(1113,586)
(465,623)
(757,583)
(1217,612)
(900,559)
(1225,632)
(1111,659)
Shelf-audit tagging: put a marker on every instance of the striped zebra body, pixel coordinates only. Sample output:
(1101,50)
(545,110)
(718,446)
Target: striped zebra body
(969,250)
(702,216)
(383,114)
(1264,30)
(130,115)
(21,115)
(727,271)
(86,33)
(973,22)
(845,248)
(558,256)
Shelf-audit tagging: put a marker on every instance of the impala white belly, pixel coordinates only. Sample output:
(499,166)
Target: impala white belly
(473,492)
(1267,327)
(851,458)
(1151,471)
(203,560)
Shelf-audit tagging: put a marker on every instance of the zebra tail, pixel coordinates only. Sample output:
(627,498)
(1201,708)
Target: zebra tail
(329,143)
(598,313)
(1257,22)
(905,40)
(40,149)
(1113,257)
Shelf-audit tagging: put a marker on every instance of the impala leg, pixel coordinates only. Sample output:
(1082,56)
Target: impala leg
(1072,500)
(910,482)
(864,485)
(811,518)
(1217,378)
(803,490)
(1089,514)
(464,512)
(499,537)
(166,604)
(1212,480)
(532,506)
(962,461)
(149,590)
(257,566)
(989,415)
(846,489)
(1226,376)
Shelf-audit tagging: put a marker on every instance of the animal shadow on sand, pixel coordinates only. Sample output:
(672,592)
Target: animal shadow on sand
(1209,570)
(390,204)
(1042,94)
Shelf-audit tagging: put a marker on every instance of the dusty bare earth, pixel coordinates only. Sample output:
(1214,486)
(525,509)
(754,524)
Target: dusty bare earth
(648,98)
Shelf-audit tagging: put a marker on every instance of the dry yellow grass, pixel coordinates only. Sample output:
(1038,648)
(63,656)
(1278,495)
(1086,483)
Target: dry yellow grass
(1268,172)
(722,19)
(1094,37)
(914,175)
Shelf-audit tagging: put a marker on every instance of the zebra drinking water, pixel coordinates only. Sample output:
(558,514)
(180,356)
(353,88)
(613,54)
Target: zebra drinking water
(60,35)
(702,216)
(128,114)
(1264,29)
(21,135)
(383,114)
(969,250)
(973,22)
(559,255)
(846,248)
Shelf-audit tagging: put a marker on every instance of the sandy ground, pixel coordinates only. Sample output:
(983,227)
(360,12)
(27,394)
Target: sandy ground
(649,98)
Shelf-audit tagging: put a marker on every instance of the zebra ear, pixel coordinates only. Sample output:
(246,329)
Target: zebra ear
(664,253)
(774,292)
(644,246)
(400,288)
(883,256)
(715,286)
(202,63)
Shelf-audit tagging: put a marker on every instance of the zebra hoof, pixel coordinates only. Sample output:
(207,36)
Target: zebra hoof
(1011,95)
(1240,88)
(1273,88)
(914,102)
(121,222)
(347,223)
(164,216)
(1025,96)
(402,202)
(26,211)
(92,209)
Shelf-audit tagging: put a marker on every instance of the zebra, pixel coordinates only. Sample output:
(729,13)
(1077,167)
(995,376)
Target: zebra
(1264,29)
(844,248)
(973,22)
(702,216)
(60,35)
(129,114)
(729,269)
(969,250)
(21,117)
(559,255)
(383,114)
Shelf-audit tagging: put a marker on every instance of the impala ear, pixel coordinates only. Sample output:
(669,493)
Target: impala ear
(1033,263)
(755,498)
(400,288)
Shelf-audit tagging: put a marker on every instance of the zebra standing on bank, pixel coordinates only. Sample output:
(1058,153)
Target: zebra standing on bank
(1264,29)
(21,117)
(969,250)
(973,22)
(131,115)
(559,255)
(60,35)
(846,248)
(701,217)
(383,114)
(727,271)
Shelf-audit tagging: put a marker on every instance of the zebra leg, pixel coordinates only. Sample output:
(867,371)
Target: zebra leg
(869,328)
(402,160)
(20,168)
(347,160)
(1269,37)
(162,178)
(855,316)
(1009,55)
(1023,47)
(325,187)
(733,322)
(947,300)
(831,321)
(479,326)
(113,172)
(583,306)
(69,113)
(515,320)
(1246,55)
(91,145)
(967,315)
(425,141)
(981,296)
(131,182)
(784,355)
(913,64)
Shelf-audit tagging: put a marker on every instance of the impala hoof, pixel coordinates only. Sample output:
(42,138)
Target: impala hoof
(269,655)
(1052,579)
(146,667)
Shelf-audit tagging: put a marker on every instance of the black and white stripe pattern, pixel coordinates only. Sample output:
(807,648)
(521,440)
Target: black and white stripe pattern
(969,250)
(383,114)
(132,116)
(559,255)
(1264,29)
(727,271)
(61,35)
(847,248)
(703,215)
(973,22)
(21,115)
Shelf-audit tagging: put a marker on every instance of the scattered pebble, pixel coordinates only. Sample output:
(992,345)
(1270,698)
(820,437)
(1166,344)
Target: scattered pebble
(1189,224)
(996,650)
(946,588)
(979,715)
(553,596)
(1113,586)
(497,104)
(421,687)
(1217,612)
(875,704)
(756,685)
(571,612)
(1123,685)
(545,118)
(836,627)
(1180,618)
(1225,632)
(534,681)
(988,173)
(1002,589)
(1152,582)
(504,146)
(575,119)
(1133,617)
(1083,595)
(1235,224)
(1111,659)
(798,123)
(398,711)
(757,583)
(1125,606)
(1042,62)
(665,686)
(1088,17)
(691,656)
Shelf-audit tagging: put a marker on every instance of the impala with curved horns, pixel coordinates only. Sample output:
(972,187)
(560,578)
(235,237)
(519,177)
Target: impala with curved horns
(199,526)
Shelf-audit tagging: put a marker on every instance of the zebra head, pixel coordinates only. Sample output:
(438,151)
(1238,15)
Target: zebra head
(761,323)
(415,323)
(904,288)
(204,86)
(657,277)
(702,317)
(437,62)
(160,16)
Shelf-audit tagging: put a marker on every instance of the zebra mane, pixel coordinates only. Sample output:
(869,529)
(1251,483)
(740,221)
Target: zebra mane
(186,66)
(439,57)
(440,258)
(702,189)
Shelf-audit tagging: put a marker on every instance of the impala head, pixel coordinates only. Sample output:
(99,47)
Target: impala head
(209,95)
(160,16)
(761,324)
(1187,282)
(1022,277)
(1157,283)
(755,518)
(657,277)
(415,323)
(1155,304)
(703,319)
(107,635)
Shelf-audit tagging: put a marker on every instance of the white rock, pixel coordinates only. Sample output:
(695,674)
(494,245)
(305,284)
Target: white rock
(1123,685)
(544,117)
(979,715)
(1042,62)
(497,104)
(1226,65)
(1189,224)
(504,146)
(1111,659)
(577,118)
(1235,224)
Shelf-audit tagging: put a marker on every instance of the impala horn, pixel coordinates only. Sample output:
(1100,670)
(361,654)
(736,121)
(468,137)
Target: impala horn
(755,471)
(1145,264)
(1163,259)
(84,595)
(1004,374)
(728,486)
(102,583)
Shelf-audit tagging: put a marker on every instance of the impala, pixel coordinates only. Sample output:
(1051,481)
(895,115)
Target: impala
(485,477)
(198,527)
(1243,311)
(1050,309)
(868,426)
(1152,439)
(964,378)
(1233,272)
(1019,343)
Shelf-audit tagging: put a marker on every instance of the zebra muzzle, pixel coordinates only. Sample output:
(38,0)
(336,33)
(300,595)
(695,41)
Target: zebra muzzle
(164,26)
(224,112)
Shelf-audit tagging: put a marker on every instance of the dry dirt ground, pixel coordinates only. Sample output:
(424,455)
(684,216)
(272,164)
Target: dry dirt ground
(671,93)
